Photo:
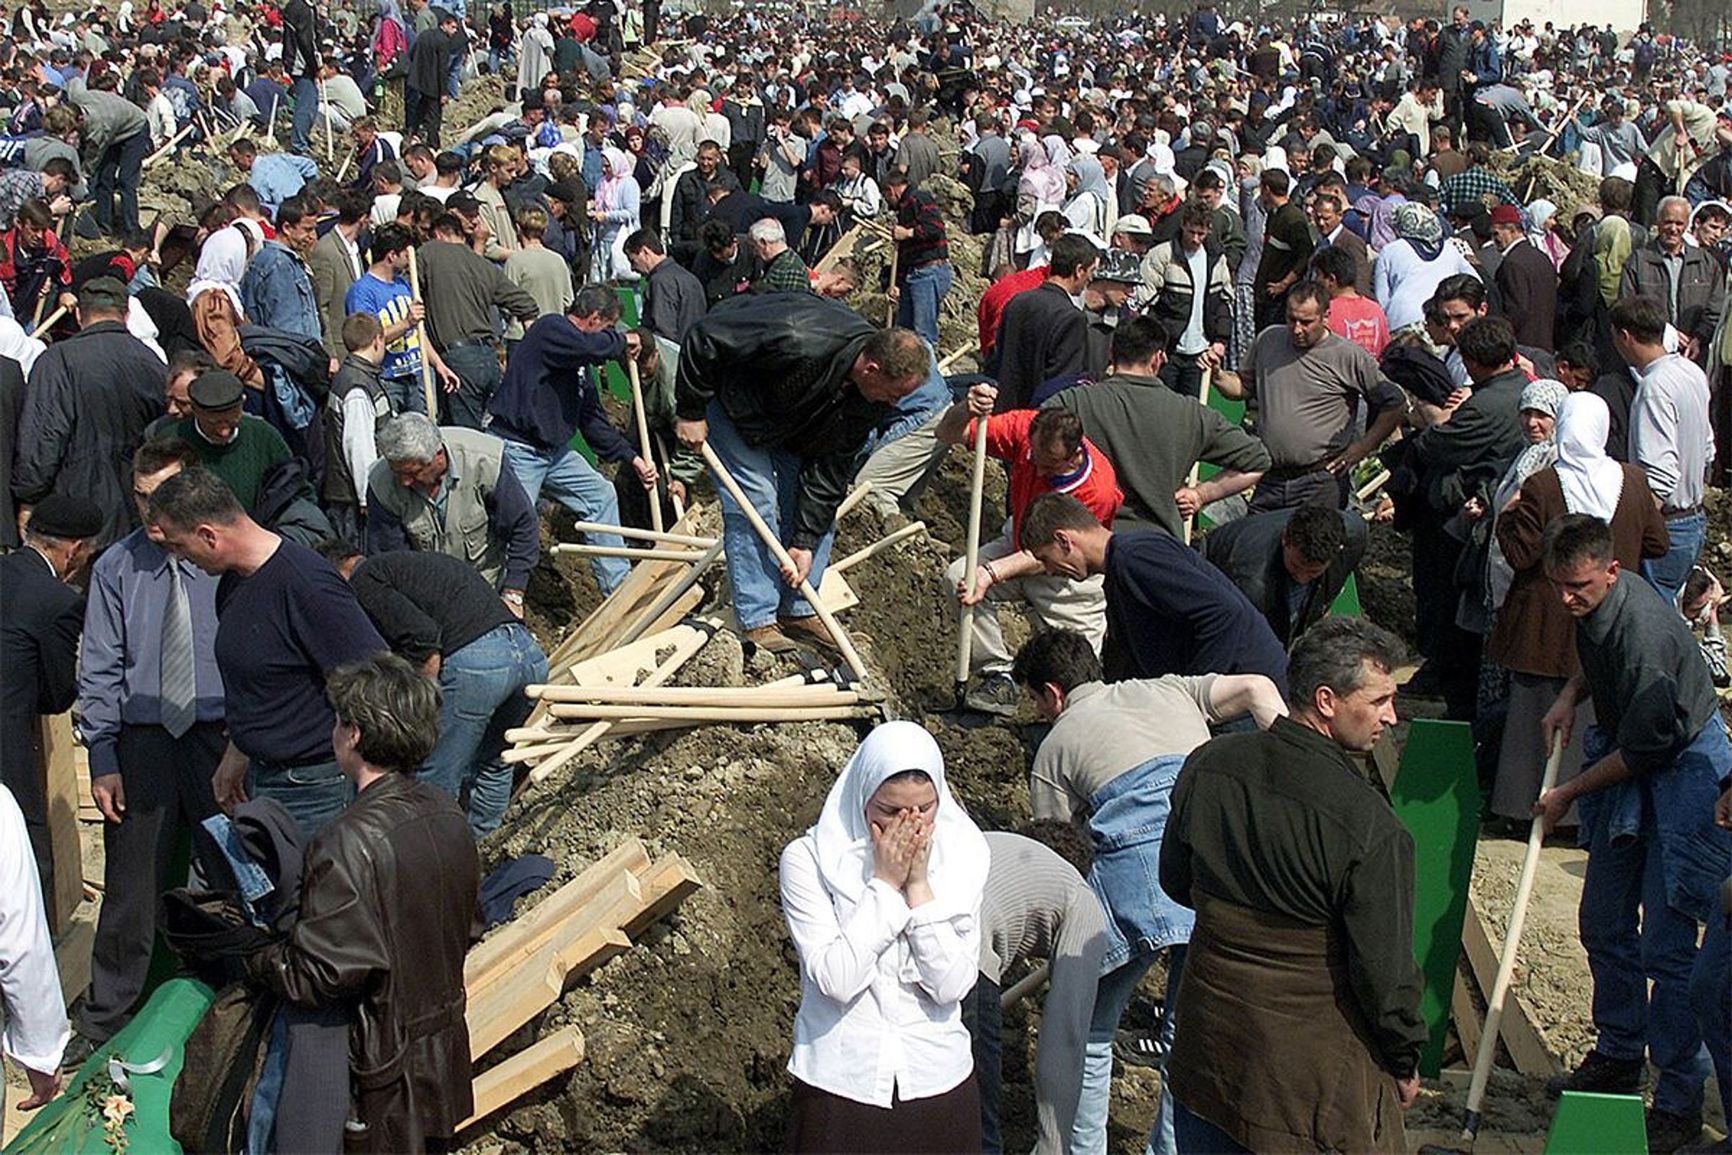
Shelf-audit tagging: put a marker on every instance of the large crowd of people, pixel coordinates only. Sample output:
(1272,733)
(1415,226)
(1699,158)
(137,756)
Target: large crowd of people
(272,493)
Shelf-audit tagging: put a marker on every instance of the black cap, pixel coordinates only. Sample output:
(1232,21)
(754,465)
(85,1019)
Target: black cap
(66,517)
(104,293)
(563,191)
(216,389)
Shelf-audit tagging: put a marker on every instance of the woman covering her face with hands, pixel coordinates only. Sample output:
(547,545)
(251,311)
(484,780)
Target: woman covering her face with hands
(882,898)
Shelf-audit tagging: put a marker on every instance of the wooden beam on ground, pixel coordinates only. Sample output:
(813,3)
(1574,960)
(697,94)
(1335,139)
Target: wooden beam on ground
(1466,1016)
(1527,1047)
(816,694)
(683,556)
(696,541)
(503,1085)
(60,788)
(529,932)
(697,715)
(667,884)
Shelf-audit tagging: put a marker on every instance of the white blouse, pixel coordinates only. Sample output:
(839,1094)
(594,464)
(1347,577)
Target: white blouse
(880,987)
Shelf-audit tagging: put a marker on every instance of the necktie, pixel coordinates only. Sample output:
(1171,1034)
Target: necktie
(179,688)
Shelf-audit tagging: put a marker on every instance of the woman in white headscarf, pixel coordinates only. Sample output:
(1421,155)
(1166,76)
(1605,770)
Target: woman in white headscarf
(214,297)
(615,211)
(534,55)
(882,898)
(1092,207)
(1534,637)
(1543,232)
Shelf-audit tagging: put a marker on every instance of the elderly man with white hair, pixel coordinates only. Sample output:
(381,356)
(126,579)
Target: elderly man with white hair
(1686,279)
(784,271)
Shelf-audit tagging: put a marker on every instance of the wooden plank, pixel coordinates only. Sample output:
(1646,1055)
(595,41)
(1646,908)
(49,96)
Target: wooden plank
(528,933)
(836,592)
(625,665)
(1527,1047)
(60,784)
(72,956)
(665,886)
(503,1085)
(1466,1016)
(532,992)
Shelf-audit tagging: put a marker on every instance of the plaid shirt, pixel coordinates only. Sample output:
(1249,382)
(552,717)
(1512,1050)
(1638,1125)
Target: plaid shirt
(918,210)
(1474,184)
(785,274)
(16,187)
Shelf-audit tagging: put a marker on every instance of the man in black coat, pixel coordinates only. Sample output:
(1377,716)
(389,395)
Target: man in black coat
(691,207)
(424,90)
(40,619)
(11,412)
(1291,563)
(89,399)
(1527,284)
(787,388)
(1043,333)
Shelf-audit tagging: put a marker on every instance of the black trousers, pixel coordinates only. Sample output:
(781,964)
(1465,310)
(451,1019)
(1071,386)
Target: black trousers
(167,781)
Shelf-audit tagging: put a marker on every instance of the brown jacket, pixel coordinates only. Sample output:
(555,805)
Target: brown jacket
(1534,634)
(218,323)
(387,908)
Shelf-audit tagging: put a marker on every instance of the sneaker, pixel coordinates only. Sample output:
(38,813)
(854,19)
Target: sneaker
(1601,1074)
(810,629)
(770,638)
(1139,1048)
(994,694)
(1668,1132)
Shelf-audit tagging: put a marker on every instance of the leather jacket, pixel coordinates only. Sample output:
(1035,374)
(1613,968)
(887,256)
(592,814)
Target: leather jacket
(388,902)
(778,365)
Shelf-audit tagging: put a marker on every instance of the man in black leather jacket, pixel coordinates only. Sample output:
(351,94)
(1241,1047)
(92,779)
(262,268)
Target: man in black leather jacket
(387,909)
(786,388)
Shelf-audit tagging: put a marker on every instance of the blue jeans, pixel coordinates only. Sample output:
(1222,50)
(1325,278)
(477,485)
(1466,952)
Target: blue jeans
(406,394)
(1667,573)
(574,483)
(1089,1133)
(477,368)
(313,795)
(481,687)
(922,290)
(770,478)
(1654,863)
(306,96)
(1711,995)
(1197,1136)
(984,1018)
(120,168)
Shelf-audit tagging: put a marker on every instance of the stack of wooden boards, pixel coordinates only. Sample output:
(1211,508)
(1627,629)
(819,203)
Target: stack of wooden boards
(608,677)
(524,967)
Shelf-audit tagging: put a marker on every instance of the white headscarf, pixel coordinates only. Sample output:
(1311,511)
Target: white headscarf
(843,840)
(19,345)
(222,261)
(1591,480)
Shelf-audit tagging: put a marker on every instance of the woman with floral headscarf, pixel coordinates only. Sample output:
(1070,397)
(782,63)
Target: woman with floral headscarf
(615,211)
(1410,268)
(1038,189)
(1543,232)
(1534,637)
(882,897)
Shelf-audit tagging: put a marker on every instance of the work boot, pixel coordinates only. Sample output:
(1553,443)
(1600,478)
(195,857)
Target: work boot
(994,694)
(1668,1132)
(810,629)
(1601,1074)
(770,638)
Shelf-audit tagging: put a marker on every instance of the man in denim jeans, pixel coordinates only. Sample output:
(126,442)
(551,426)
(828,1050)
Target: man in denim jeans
(1658,757)
(922,255)
(787,388)
(548,395)
(461,290)
(1113,753)
(440,613)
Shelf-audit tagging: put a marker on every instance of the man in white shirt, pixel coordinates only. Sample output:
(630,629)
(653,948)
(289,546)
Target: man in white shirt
(31,1001)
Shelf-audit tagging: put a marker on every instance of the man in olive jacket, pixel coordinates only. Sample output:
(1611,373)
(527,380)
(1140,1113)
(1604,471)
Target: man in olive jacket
(386,914)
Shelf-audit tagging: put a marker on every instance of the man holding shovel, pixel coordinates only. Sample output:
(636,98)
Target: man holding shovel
(1657,758)
(786,389)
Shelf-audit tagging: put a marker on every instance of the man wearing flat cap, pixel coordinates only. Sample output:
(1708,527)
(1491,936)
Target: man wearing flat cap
(40,617)
(236,446)
(1526,282)
(86,405)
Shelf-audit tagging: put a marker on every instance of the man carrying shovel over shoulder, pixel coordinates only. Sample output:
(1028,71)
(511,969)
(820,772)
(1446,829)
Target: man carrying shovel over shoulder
(1657,759)
(787,388)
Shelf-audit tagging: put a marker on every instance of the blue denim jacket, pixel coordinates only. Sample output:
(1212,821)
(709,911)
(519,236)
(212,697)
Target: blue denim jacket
(1674,804)
(277,291)
(1127,818)
(914,410)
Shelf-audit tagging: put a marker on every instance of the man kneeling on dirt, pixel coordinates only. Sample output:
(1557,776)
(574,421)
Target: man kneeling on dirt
(1046,452)
(787,388)
(1657,757)
(386,908)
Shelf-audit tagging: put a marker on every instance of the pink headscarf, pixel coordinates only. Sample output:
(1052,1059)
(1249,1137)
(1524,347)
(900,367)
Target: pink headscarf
(1041,179)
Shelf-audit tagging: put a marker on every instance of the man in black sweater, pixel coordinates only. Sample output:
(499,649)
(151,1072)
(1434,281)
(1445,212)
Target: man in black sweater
(439,613)
(1168,610)
(1302,880)
(1657,756)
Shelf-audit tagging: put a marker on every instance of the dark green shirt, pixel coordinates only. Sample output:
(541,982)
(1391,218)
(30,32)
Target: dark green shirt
(243,462)
(1282,822)
(1651,687)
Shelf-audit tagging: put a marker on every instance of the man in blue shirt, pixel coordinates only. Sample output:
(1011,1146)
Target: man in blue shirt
(383,290)
(150,706)
(284,619)
(275,176)
(277,287)
(548,395)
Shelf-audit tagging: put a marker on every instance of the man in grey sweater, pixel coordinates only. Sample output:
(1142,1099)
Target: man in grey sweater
(116,138)
(1153,436)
